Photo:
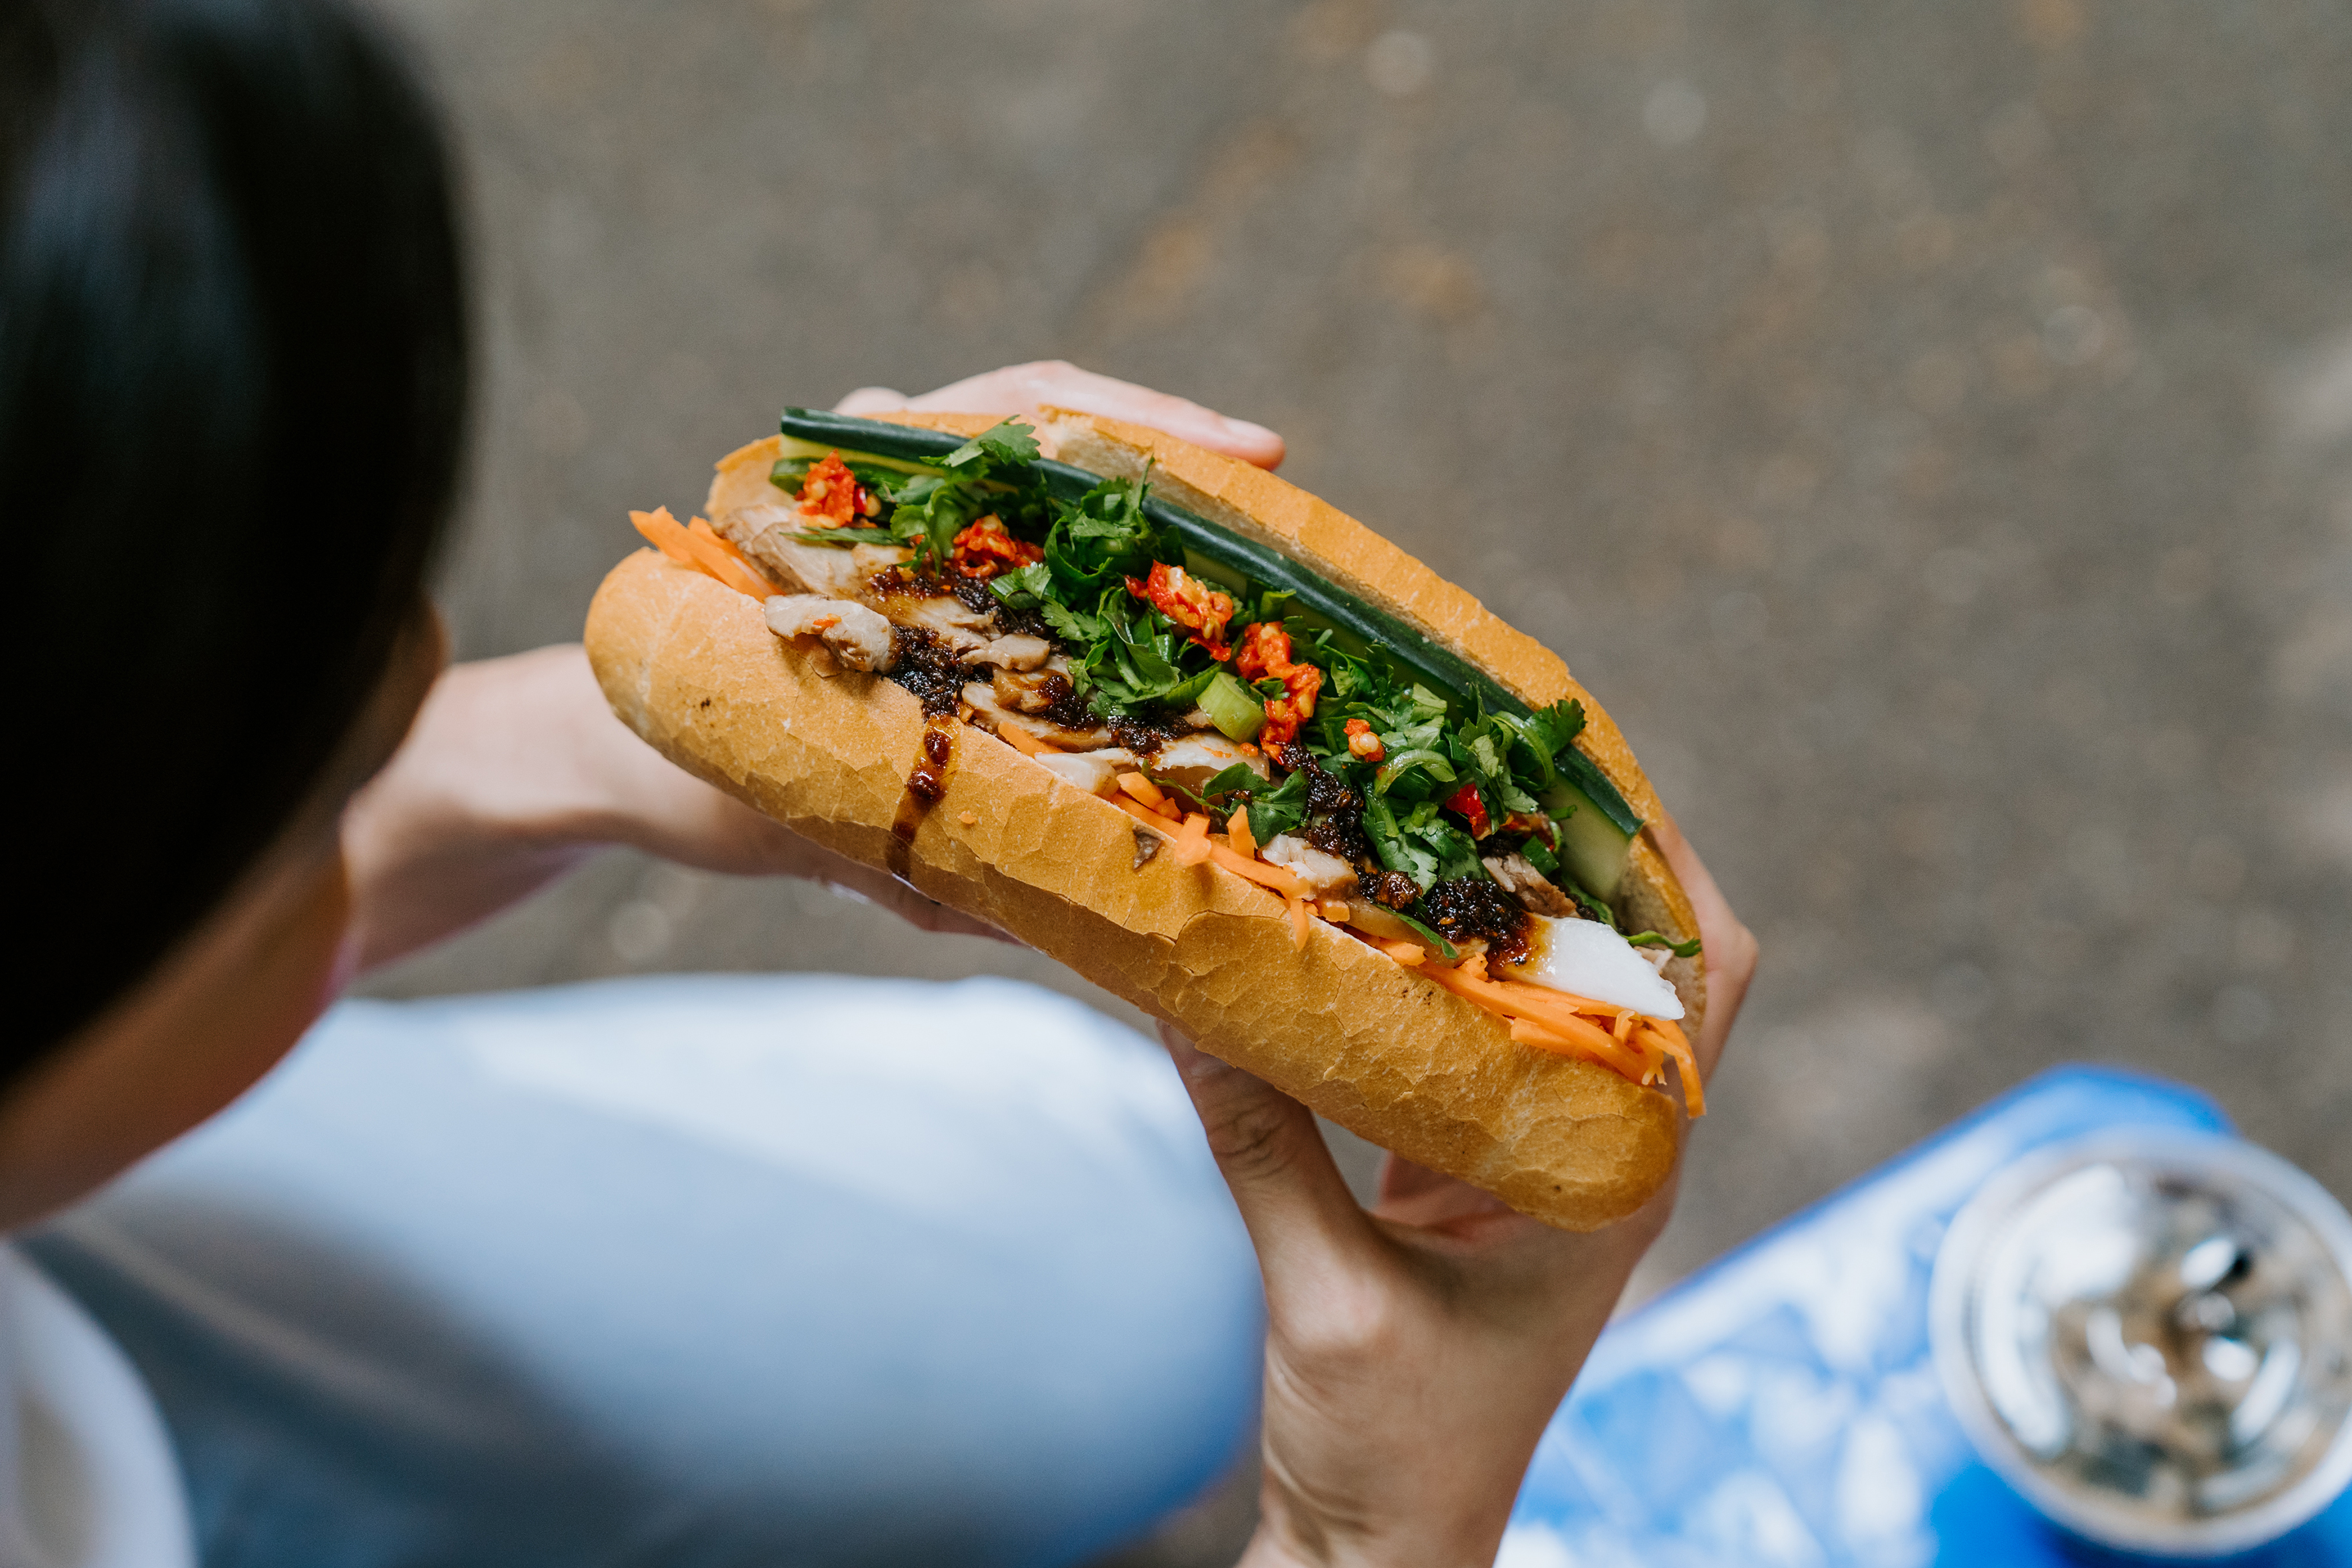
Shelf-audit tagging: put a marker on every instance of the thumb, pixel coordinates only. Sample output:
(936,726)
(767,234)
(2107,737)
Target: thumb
(1300,1214)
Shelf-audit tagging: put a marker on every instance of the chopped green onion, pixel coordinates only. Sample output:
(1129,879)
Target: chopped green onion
(1231,708)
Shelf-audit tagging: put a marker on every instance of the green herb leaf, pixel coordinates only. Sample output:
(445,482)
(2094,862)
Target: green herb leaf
(1022,588)
(1445,949)
(1549,731)
(1240,776)
(1009,444)
(1073,625)
(1278,812)
(1651,939)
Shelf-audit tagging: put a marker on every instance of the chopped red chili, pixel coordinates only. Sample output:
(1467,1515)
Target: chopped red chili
(1466,803)
(1263,653)
(985,548)
(1189,602)
(831,496)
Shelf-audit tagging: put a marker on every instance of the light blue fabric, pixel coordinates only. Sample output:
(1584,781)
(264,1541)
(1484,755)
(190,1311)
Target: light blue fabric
(687,1271)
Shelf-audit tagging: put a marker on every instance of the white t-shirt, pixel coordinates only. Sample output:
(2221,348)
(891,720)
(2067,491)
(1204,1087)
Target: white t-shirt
(86,1475)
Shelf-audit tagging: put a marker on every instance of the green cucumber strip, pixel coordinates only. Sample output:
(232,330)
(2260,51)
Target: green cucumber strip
(1349,642)
(1437,667)
(1586,776)
(1193,688)
(788,474)
(1593,848)
(1215,572)
(840,537)
(809,434)
(793,448)
(1231,708)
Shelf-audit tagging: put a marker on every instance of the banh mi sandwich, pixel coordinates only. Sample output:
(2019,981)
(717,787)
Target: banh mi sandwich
(1224,751)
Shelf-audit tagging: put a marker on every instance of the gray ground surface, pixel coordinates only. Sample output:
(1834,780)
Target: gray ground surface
(1927,427)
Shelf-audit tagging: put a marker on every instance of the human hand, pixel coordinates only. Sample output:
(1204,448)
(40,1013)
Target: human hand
(1415,1352)
(1056,383)
(514,773)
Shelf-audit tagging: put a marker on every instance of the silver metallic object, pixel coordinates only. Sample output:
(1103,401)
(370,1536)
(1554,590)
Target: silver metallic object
(2149,1336)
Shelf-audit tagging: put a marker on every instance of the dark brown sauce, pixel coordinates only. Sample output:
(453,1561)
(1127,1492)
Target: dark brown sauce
(1335,812)
(1063,705)
(927,782)
(1389,890)
(1465,909)
(1142,736)
(972,592)
(922,662)
(930,778)
(896,582)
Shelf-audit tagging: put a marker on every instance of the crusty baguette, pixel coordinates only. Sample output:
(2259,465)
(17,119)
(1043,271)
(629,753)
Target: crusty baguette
(691,666)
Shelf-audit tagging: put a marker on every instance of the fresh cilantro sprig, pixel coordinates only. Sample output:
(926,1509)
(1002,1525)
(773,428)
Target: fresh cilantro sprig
(991,473)
(1101,541)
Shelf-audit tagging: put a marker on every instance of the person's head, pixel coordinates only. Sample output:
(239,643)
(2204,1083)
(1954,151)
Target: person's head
(233,372)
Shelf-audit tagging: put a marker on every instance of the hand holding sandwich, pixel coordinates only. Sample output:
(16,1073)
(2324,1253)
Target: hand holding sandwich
(1416,1350)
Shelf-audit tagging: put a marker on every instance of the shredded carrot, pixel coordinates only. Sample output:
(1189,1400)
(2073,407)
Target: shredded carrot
(705,552)
(1671,1039)
(1257,871)
(1144,790)
(1023,742)
(1550,1011)
(1609,1054)
(663,533)
(1143,814)
(1654,1060)
(700,528)
(1192,845)
(1623,1028)
(1336,912)
(1593,1005)
(1238,831)
(735,569)
(1409,954)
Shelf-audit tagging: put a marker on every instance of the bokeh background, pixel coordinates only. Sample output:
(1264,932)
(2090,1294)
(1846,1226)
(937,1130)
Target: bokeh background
(1927,427)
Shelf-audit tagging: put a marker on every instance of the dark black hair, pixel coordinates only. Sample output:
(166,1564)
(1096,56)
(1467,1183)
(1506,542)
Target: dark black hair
(233,375)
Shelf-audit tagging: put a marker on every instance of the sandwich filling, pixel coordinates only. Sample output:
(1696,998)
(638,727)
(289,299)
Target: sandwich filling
(1096,631)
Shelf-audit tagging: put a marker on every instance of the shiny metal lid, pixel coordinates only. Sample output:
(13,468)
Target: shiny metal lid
(2150,1335)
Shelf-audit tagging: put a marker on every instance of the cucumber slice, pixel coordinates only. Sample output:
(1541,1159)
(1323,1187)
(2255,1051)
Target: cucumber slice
(795,447)
(1593,848)
(1215,572)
